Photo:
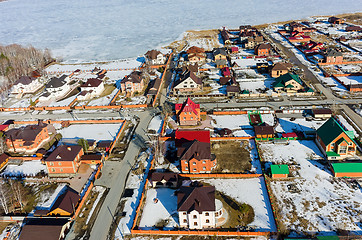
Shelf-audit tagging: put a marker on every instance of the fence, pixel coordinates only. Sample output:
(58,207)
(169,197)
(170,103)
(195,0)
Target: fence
(117,137)
(198,233)
(21,109)
(74,121)
(220,175)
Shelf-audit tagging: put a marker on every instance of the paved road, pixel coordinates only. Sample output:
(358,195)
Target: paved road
(114,174)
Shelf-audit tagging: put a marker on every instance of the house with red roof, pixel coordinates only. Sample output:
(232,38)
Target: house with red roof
(188,112)
(194,151)
(226,72)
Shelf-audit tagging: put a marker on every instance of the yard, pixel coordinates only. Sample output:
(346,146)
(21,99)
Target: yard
(314,201)
(231,156)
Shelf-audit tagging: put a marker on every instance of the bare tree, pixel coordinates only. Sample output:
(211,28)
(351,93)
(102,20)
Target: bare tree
(4,197)
(17,191)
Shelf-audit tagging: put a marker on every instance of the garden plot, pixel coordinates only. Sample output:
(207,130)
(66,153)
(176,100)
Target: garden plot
(351,80)
(156,124)
(239,124)
(103,101)
(249,75)
(91,131)
(248,62)
(160,209)
(252,192)
(299,124)
(254,86)
(29,168)
(64,102)
(320,202)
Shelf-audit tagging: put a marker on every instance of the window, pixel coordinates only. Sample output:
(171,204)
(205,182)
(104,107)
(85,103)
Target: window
(332,144)
(53,170)
(342,149)
(184,118)
(204,168)
(207,221)
(185,221)
(194,216)
(51,164)
(192,118)
(61,169)
(203,161)
(59,163)
(207,214)
(195,223)
(185,162)
(186,168)
(194,169)
(184,213)
(350,144)
(194,163)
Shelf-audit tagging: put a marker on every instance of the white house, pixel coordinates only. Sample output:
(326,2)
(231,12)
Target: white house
(155,57)
(57,88)
(188,82)
(93,87)
(197,207)
(26,85)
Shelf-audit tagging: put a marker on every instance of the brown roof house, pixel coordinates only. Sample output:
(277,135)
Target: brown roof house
(262,49)
(164,179)
(4,158)
(188,82)
(93,87)
(154,86)
(132,83)
(30,138)
(264,131)
(279,69)
(197,207)
(219,54)
(333,56)
(65,204)
(64,161)
(44,229)
(26,85)
(155,57)
(335,20)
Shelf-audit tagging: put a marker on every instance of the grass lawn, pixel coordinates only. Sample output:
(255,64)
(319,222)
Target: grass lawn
(108,89)
(231,156)
(3,225)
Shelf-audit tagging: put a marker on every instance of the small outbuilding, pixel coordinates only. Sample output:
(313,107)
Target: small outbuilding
(322,113)
(347,169)
(279,171)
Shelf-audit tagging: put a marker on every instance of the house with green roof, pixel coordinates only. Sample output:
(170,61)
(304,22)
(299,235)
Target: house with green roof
(279,171)
(347,169)
(288,83)
(334,141)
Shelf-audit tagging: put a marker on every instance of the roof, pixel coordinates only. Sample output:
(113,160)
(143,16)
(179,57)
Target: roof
(187,106)
(221,62)
(42,229)
(135,77)
(27,133)
(261,130)
(56,82)
(152,54)
(348,167)
(104,143)
(289,135)
(154,85)
(283,79)
(331,52)
(264,46)
(195,49)
(194,149)
(187,75)
(91,157)
(92,82)
(167,176)
(218,51)
(25,80)
(224,80)
(3,158)
(64,153)
(330,130)
(279,67)
(67,201)
(232,89)
(279,169)
(182,136)
(199,198)
(321,111)
(3,127)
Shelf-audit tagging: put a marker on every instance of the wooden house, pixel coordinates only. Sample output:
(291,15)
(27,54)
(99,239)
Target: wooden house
(279,171)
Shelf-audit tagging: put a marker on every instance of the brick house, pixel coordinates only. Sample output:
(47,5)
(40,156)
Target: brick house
(333,56)
(262,49)
(132,83)
(264,131)
(188,112)
(64,160)
(188,82)
(65,204)
(45,229)
(155,57)
(196,207)
(335,20)
(194,151)
(334,141)
(164,179)
(28,139)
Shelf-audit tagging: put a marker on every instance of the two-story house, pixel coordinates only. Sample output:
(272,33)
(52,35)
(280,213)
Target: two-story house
(155,57)
(133,83)
(188,112)
(262,49)
(188,82)
(64,161)
(335,141)
(196,54)
(287,83)
(93,87)
(28,139)
(26,85)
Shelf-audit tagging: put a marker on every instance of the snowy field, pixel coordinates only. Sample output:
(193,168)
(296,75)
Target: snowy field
(95,31)
(164,209)
(91,131)
(28,168)
(156,124)
(351,80)
(252,192)
(233,122)
(299,124)
(321,202)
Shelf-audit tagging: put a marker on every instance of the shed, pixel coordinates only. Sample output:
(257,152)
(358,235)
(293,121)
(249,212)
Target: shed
(322,113)
(347,169)
(279,171)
